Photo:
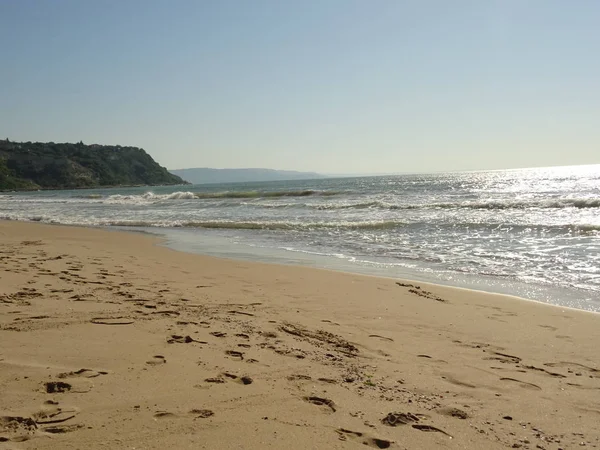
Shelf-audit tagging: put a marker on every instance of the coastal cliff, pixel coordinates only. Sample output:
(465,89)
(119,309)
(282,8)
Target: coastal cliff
(49,165)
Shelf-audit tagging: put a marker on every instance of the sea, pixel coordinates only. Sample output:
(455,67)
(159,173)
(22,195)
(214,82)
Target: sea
(532,233)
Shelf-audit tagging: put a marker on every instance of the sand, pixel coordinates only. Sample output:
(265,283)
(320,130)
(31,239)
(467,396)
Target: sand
(109,340)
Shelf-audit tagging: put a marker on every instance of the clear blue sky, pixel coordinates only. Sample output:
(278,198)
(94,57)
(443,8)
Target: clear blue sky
(323,85)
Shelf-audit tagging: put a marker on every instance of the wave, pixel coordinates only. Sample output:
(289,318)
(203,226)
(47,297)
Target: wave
(560,229)
(90,196)
(425,227)
(268,226)
(149,196)
(585,228)
(488,204)
(364,205)
(578,229)
(260,199)
(267,194)
(521,204)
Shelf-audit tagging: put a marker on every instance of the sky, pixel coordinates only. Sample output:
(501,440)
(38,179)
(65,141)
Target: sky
(319,85)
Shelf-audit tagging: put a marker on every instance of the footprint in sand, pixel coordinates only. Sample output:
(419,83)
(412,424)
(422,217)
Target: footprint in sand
(51,413)
(17,429)
(73,386)
(59,429)
(59,387)
(111,321)
(31,318)
(563,336)
(395,419)
(383,338)
(220,379)
(574,367)
(245,379)
(577,385)
(218,334)
(167,313)
(85,373)
(508,369)
(430,429)
(177,339)
(297,377)
(363,438)
(235,354)
(243,313)
(523,384)
(201,413)
(194,413)
(453,412)
(319,401)
(32,243)
(547,372)
(156,360)
(216,380)
(504,358)
(164,415)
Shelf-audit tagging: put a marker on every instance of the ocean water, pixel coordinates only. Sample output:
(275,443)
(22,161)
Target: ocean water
(534,233)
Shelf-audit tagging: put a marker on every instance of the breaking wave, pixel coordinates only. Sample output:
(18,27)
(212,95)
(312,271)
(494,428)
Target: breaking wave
(489,204)
(524,204)
(151,197)
(231,225)
(260,199)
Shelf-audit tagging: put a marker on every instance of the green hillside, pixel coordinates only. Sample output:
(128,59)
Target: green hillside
(47,165)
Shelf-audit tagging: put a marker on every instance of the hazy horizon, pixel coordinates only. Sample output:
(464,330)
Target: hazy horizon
(338,87)
(375,174)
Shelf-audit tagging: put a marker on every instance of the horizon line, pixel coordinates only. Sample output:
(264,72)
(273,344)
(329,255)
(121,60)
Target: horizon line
(380,174)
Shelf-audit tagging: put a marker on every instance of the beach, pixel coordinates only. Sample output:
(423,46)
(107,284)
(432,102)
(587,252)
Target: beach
(532,233)
(110,340)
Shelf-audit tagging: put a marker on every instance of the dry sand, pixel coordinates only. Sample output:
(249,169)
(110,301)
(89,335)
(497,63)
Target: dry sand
(108,340)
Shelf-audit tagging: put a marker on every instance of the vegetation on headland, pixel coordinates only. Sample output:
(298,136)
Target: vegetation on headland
(48,165)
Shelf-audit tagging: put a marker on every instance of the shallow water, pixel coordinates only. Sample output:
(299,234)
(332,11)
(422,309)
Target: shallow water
(531,232)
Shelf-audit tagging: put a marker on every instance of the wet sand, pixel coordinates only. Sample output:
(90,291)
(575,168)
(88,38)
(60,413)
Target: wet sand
(109,340)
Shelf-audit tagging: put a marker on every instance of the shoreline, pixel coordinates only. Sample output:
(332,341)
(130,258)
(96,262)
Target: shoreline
(162,241)
(162,237)
(276,256)
(155,347)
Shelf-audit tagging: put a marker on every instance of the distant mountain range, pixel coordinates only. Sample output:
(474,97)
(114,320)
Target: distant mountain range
(205,175)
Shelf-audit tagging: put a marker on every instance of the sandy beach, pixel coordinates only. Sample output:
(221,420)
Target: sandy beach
(109,340)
